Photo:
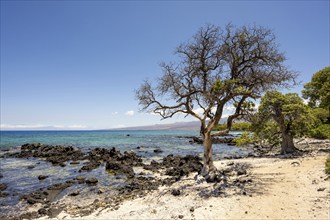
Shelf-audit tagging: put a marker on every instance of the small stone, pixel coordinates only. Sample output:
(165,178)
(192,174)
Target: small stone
(100,191)
(246,212)
(176,192)
(192,209)
(42,177)
(80,178)
(321,189)
(3,186)
(91,181)
(75,193)
(241,172)
(42,211)
(180,216)
(158,150)
(295,163)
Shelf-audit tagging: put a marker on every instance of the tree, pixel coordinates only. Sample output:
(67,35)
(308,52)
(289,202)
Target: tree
(215,67)
(282,117)
(318,90)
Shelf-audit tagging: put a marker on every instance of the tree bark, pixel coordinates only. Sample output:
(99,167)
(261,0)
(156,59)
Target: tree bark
(208,155)
(287,145)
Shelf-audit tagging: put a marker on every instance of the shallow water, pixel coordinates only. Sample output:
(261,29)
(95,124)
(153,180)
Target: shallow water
(170,142)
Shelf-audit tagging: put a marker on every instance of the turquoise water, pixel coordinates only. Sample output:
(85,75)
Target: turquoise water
(169,141)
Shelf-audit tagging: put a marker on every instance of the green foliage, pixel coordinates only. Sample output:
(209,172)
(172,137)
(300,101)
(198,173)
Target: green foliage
(321,132)
(327,166)
(318,90)
(240,126)
(244,139)
(267,133)
(280,113)
(220,127)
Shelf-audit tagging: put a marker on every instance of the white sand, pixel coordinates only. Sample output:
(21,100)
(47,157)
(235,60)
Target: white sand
(281,189)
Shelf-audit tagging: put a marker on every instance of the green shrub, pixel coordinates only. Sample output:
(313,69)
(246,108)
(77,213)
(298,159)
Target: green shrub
(321,132)
(240,126)
(244,139)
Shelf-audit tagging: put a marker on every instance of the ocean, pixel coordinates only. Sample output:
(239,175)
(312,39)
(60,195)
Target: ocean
(169,141)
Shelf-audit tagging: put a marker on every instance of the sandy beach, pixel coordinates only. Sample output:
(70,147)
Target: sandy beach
(272,188)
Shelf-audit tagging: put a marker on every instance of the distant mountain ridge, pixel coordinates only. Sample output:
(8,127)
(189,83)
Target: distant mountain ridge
(192,125)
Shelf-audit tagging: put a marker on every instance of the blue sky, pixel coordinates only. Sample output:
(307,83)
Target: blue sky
(76,64)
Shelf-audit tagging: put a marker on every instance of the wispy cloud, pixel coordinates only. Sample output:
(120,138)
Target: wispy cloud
(40,127)
(114,113)
(129,113)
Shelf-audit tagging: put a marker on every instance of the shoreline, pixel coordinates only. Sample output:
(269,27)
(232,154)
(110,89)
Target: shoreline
(281,189)
(174,180)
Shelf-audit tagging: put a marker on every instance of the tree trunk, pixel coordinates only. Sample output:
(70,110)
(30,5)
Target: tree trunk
(287,146)
(208,155)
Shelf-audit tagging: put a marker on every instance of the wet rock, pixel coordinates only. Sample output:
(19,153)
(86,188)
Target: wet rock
(90,166)
(3,194)
(158,150)
(36,197)
(59,186)
(176,192)
(92,181)
(80,177)
(1,176)
(120,168)
(74,162)
(154,166)
(42,177)
(30,166)
(3,186)
(75,193)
